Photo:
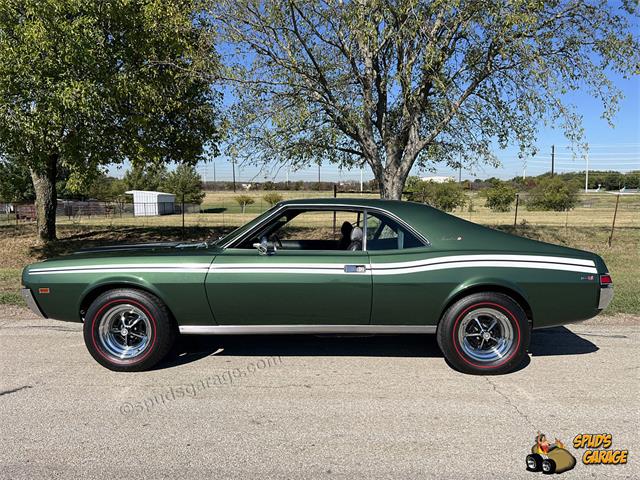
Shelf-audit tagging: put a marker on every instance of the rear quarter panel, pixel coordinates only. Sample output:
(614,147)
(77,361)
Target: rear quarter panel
(555,297)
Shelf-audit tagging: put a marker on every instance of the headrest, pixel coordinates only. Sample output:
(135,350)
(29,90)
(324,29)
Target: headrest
(346,229)
(356,234)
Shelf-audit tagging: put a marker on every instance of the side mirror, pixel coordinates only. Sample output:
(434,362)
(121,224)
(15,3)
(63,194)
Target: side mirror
(265,247)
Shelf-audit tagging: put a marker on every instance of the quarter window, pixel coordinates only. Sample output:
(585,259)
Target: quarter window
(384,233)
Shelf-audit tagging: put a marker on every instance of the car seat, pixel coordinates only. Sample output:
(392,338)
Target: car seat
(356,239)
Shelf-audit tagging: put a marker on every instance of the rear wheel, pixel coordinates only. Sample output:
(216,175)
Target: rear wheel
(128,330)
(484,333)
(534,462)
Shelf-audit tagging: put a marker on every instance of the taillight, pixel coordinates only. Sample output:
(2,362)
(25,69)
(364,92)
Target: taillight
(605,280)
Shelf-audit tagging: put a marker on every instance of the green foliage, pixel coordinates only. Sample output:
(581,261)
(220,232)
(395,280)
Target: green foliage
(272,198)
(243,201)
(15,182)
(444,196)
(553,193)
(84,83)
(184,180)
(398,83)
(500,197)
(148,177)
(106,189)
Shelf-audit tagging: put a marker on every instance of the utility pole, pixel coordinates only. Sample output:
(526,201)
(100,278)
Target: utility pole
(586,176)
(459,172)
(233,165)
(214,174)
(287,178)
(319,176)
(553,157)
(361,169)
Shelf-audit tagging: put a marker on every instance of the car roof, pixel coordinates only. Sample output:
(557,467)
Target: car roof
(394,206)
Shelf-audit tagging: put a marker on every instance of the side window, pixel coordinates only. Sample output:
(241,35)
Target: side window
(321,229)
(384,233)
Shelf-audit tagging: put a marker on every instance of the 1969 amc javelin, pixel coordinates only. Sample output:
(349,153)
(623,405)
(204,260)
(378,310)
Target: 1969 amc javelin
(326,266)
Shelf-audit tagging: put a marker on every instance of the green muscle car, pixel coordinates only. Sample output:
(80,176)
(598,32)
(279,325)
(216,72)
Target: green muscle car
(326,266)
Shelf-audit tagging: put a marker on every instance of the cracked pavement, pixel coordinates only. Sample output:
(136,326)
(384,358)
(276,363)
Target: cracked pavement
(331,407)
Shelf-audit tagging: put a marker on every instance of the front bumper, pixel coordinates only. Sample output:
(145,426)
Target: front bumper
(31,302)
(606,295)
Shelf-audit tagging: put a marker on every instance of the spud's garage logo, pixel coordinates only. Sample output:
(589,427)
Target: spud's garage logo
(549,457)
(597,449)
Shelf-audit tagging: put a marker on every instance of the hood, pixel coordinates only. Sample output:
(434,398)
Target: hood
(128,251)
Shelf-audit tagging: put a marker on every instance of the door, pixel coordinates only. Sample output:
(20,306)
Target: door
(400,297)
(309,280)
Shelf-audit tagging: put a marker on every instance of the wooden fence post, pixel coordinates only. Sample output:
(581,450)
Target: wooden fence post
(515,218)
(615,213)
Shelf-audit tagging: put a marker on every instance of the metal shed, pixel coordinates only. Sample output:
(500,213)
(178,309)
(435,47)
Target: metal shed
(146,203)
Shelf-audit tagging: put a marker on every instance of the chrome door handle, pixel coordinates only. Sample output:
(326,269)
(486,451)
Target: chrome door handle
(355,269)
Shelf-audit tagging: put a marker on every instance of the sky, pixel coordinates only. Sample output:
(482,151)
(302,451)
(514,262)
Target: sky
(610,148)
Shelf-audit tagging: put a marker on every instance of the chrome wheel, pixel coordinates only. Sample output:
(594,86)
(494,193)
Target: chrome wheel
(124,331)
(485,335)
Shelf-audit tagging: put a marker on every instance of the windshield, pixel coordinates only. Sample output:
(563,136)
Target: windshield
(238,231)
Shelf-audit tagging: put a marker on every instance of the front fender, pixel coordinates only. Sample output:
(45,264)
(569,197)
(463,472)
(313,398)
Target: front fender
(118,281)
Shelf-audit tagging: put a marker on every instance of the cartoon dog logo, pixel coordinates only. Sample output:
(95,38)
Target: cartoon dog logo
(549,457)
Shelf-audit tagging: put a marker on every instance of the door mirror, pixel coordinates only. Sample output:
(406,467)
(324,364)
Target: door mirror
(265,247)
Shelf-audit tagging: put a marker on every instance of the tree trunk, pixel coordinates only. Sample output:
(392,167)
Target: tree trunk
(44,184)
(391,187)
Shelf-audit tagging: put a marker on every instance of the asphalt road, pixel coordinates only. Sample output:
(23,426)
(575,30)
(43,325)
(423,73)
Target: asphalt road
(307,407)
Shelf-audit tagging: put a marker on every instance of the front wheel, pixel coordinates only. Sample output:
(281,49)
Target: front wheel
(548,466)
(484,333)
(128,330)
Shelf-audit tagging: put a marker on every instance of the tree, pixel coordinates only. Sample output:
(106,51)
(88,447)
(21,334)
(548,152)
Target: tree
(553,193)
(105,188)
(445,196)
(15,182)
(272,198)
(184,182)
(145,177)
(397,83)
(86,83)
(243,201)
(500,197)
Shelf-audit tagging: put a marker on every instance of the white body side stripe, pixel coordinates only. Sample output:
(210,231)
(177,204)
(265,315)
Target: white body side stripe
(484,264)
(511,258)
(126,268)
(391,268)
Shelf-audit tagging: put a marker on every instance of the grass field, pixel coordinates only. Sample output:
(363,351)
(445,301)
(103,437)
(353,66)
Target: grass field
(582,228)
(221,210)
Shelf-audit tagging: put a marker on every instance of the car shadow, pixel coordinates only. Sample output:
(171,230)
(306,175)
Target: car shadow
(190,348)
(559,341)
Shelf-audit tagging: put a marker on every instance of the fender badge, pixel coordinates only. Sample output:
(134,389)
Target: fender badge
(587,277)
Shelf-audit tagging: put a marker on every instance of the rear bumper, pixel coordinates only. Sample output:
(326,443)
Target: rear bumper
(606,295)
(31,302)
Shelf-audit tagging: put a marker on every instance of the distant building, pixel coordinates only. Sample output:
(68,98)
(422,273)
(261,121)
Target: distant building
(150,204)
(438,179)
